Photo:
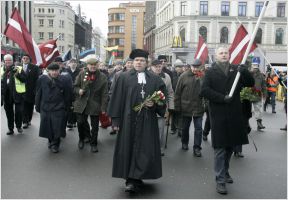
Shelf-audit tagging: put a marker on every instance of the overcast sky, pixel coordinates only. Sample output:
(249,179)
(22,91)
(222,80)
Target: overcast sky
(97,11)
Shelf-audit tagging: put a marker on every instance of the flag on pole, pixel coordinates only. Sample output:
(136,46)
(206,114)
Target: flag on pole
(17,31)
(202,50)
(85,53)
(67,56)
(49,52)
(111,48)
(239,46)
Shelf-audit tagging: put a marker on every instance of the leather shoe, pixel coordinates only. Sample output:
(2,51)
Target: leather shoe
(228,178)
(25,125)
(10,132)
(54,149)
(131,188)
(20,130)
(204,137)
(81,144)
(185,147)
(284,129)
(197,152)
(221,188)
(94,149)
(238,154)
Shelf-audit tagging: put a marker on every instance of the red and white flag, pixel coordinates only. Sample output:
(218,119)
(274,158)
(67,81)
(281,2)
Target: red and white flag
(49,52)
(202,50)
(17,31)
(239,46)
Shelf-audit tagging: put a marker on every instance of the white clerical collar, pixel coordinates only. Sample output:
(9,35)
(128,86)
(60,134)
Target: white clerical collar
(141,78)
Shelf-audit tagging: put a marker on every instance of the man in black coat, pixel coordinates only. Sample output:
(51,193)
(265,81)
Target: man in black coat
(53,98)
(227,122)
(137,152)
(13,91)
(32,73)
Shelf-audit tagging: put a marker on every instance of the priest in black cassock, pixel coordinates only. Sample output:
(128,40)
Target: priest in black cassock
(137,154)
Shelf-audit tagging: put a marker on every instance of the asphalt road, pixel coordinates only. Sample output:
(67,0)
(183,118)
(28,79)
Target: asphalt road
(30,170)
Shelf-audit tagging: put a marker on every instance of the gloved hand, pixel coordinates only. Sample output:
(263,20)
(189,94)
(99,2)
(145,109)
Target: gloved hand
(242,68)
(227,99)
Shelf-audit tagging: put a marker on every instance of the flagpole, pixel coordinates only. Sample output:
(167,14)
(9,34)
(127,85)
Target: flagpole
(260,50)
(248,47)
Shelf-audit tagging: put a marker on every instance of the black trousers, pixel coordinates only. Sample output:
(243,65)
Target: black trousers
(13,116)
(71,117)
(207,126)
(28,111)
(84,128)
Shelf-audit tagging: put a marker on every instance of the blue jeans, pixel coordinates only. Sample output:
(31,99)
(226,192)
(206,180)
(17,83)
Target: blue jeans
(222,158)
(186,121)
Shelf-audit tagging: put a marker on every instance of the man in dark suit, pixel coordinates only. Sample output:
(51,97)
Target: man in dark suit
(32,73)
(227,122)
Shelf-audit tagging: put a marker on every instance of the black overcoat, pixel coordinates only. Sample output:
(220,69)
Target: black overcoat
(53,99)
(227,120)
(32,74)
(137,151)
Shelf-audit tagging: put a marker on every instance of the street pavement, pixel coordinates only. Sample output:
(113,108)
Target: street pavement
(30,171)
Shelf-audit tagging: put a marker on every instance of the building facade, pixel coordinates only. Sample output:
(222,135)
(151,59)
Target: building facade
(98,42)
(54,19)
(25,8)
(125,28)
(217,21)
(149,26)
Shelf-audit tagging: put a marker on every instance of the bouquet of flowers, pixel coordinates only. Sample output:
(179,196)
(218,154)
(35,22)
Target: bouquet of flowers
(86,81)
(157,97)
(250,93)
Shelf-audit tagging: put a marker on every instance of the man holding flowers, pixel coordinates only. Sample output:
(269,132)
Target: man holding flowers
(133,107)
(91,89)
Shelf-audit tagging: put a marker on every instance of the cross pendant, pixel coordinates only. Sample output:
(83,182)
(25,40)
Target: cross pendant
(142,93)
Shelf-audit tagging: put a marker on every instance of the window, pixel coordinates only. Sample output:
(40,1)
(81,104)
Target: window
(41,35)
(110,42)
(61,24)
(61,11)
(50,35)
(110,17)
(242,9)
(279,36)
(61,36)
(50,22)
(203,8)
(111,29)
(121,29)
(48,10)
(182,34)
(121,16)
(52,10)
(224,35)
(39,10)
(41,22)
(258,8)
(203,32)
(133,33)
(116,41)
(42,10)
(258,37)
(281,10)
(183,8)
(121,41)
(117,28)
(225,7)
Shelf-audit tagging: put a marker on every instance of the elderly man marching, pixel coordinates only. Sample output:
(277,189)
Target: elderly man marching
(91,89)
(156,67)
(260,88)
(190,104)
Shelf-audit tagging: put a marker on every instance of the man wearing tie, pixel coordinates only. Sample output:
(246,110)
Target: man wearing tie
(32,72)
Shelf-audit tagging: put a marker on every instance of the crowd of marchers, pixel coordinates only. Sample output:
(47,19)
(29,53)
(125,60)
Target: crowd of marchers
(67,93)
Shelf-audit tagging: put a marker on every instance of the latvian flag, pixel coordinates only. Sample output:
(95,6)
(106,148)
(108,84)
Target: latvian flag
(49,52)
(202,50)
(239,46)
(17,31)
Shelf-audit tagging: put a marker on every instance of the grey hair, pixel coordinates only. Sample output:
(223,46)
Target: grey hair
(8,56)
(222,46)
